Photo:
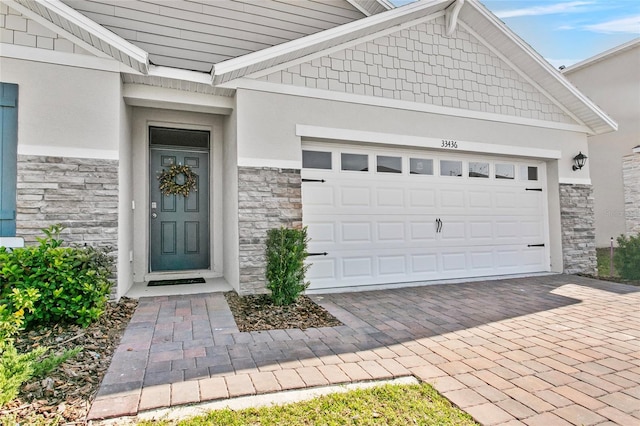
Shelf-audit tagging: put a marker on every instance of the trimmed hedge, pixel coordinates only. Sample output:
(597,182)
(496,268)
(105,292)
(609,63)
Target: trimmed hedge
(285,253)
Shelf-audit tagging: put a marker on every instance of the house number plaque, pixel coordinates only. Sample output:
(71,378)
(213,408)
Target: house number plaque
(446,143)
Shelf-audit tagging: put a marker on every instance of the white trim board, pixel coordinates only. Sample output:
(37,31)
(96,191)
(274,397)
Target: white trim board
(327,133)
(264,86)
(158,97)
(67,151)
(265,162)
(575,181)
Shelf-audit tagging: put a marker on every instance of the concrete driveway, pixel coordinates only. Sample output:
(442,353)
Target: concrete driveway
(552,350)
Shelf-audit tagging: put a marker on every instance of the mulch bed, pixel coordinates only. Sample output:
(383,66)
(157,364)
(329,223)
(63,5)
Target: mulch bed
(65,395)
(612,279)
(258,313)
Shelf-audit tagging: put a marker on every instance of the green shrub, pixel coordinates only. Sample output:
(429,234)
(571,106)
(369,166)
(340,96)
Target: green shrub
(16,368)
(73,282)
(627,257)
(285,254)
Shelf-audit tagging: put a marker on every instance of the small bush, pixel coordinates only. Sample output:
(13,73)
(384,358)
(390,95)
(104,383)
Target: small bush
(285,253)
(16,368)
(627,257)
(73,282)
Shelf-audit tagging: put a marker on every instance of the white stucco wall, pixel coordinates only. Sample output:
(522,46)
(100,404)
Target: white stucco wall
(613,84)
(230,197)
(65,111)
(125,213)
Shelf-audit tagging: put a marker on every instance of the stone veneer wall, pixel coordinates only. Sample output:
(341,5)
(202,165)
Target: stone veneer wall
(79,193)
(631,179)
(577,220)
(267,198)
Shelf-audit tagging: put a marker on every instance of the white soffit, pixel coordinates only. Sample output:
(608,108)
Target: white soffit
(81,30)
(371,7)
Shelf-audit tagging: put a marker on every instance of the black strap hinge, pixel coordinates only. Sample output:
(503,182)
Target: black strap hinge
(534,189)
(535,245)
(324,253)
(314,180)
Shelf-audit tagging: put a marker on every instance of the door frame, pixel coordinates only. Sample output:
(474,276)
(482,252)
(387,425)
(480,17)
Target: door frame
(142,119)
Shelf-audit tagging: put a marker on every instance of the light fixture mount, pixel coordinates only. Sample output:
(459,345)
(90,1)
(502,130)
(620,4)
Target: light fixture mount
(579,161)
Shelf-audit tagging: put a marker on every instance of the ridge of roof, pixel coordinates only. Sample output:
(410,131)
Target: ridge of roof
(70,23)
(603,55)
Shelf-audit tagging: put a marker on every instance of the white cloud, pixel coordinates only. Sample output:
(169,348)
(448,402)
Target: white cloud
(629,25)
(567,7)
(566,27)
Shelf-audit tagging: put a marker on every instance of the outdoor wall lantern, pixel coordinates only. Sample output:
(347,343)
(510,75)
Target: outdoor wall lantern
(579,161)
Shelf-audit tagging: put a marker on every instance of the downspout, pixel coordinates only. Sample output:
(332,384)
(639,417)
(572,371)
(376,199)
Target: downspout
(452,16)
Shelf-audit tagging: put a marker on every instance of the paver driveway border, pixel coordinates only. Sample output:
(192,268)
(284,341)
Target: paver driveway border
(550,350)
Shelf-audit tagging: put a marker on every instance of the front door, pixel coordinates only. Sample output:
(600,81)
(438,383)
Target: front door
(179,225)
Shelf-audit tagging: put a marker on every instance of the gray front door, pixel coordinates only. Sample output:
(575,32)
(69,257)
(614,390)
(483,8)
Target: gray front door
(179,226)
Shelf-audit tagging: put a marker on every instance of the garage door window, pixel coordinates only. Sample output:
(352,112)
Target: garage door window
(505,171)
(529,173)
(420,166)
(316,160)
(478,170)
(389,164)
(450,168)
(355,162)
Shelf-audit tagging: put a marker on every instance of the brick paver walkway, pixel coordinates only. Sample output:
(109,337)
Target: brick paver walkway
(553,350)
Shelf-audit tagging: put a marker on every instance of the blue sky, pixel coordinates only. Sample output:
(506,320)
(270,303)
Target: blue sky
(567,31)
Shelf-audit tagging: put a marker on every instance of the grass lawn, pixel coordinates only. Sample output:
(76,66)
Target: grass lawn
(604,262)
(383,405)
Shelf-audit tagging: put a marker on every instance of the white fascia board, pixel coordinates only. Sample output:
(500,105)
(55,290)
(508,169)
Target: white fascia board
(575,181)
(231,66)
(263,86)
(158,97)
(76,19)
(76,60)
(602,56)
(67,151)
(178,74)
(328,133)
(541,62)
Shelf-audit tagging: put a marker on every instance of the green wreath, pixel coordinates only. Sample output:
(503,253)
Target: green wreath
(169,186)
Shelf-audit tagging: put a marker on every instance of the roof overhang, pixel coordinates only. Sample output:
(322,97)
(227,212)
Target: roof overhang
(371,7)
(77,28)
(602,56)
(475,17)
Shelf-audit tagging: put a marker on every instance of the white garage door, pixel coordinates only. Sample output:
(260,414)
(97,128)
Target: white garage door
(387,216)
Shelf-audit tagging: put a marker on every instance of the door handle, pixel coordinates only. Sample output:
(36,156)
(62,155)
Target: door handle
(154,215)
(438,226)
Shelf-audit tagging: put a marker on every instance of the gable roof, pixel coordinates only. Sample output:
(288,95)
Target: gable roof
(476,19)
(603,56)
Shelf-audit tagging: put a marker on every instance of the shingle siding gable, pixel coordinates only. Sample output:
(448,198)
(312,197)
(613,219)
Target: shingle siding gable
(21,31)
(421,64)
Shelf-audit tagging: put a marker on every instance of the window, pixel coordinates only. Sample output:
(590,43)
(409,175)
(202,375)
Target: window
(528,173)
(505,171)
(316,160)
(479,170)
(450,168)
(355,162)
(389,164)
(420,166)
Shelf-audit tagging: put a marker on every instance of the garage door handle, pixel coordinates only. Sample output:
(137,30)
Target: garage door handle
(438,226)
(535,245)
(314,180)
(324,253)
